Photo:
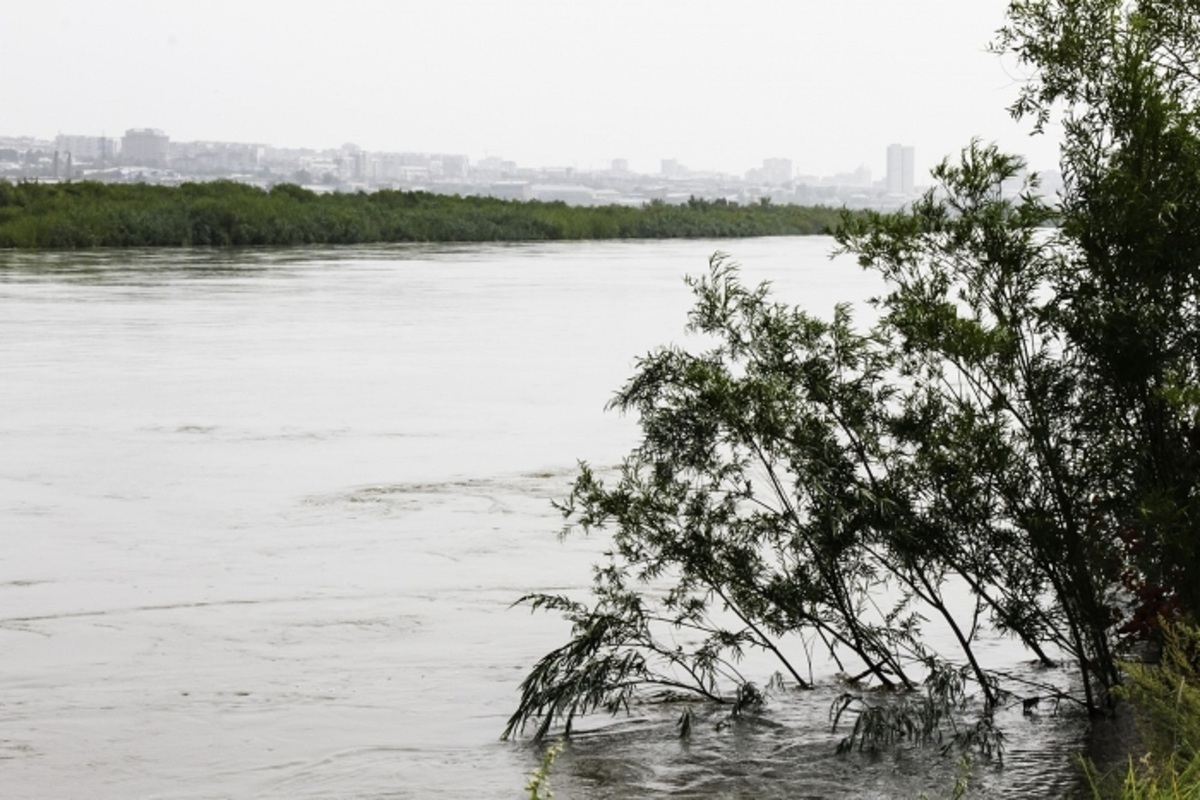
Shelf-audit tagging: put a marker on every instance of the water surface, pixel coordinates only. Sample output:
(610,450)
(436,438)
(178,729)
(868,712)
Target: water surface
(263,513)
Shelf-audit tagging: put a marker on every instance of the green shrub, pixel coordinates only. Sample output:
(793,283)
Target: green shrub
(1165,700)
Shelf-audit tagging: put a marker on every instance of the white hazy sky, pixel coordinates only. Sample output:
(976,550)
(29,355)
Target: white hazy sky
(716,85)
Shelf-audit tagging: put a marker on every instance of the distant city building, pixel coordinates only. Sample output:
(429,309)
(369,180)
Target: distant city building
(350,168)
(455,166)
(85,149)
(361,165)
(215,157)
(492,167)
(899,169)
(572,194)
(511,190)
(404,167)
(1046,185)
(144,147)
(777,171)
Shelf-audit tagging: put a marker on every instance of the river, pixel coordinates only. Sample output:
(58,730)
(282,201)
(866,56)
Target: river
(263,515)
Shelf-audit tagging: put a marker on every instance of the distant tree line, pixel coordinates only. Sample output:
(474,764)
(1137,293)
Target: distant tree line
(226,213)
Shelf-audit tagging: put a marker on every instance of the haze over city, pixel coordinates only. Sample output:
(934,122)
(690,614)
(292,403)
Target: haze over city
(714,86)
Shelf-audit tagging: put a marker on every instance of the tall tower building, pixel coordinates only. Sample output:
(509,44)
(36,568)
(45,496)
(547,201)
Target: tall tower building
(899,169)
(144,147)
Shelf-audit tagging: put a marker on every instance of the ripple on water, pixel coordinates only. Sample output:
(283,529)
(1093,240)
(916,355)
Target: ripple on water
(789,751)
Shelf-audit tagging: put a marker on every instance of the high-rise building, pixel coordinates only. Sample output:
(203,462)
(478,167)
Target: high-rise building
(144,147)
(94,149)
(899,169)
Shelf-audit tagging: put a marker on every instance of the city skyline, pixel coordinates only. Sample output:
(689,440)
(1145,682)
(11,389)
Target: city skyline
(149,155)
(151,147)
(827,86)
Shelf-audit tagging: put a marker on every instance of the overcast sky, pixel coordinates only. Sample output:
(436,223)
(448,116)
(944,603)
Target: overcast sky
(716,85)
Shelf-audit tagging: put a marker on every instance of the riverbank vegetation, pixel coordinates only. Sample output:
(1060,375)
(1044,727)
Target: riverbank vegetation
(225,213)
(1020,427)
(1165,698)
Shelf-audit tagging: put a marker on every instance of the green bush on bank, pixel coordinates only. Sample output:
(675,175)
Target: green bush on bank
(1165,699)
(225,213)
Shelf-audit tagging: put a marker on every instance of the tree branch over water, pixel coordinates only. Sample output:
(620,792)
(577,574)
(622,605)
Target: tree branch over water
(1024,417)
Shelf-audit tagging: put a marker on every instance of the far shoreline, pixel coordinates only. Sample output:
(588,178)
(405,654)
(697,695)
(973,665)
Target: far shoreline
(87,215)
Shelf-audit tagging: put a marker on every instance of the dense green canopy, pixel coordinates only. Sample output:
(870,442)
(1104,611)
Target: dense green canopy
(88,214)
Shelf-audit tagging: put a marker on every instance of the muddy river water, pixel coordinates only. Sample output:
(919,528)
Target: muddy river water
(263,515)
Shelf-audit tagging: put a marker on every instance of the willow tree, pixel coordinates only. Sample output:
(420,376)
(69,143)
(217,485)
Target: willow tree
(1023,420)
(1127,79)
